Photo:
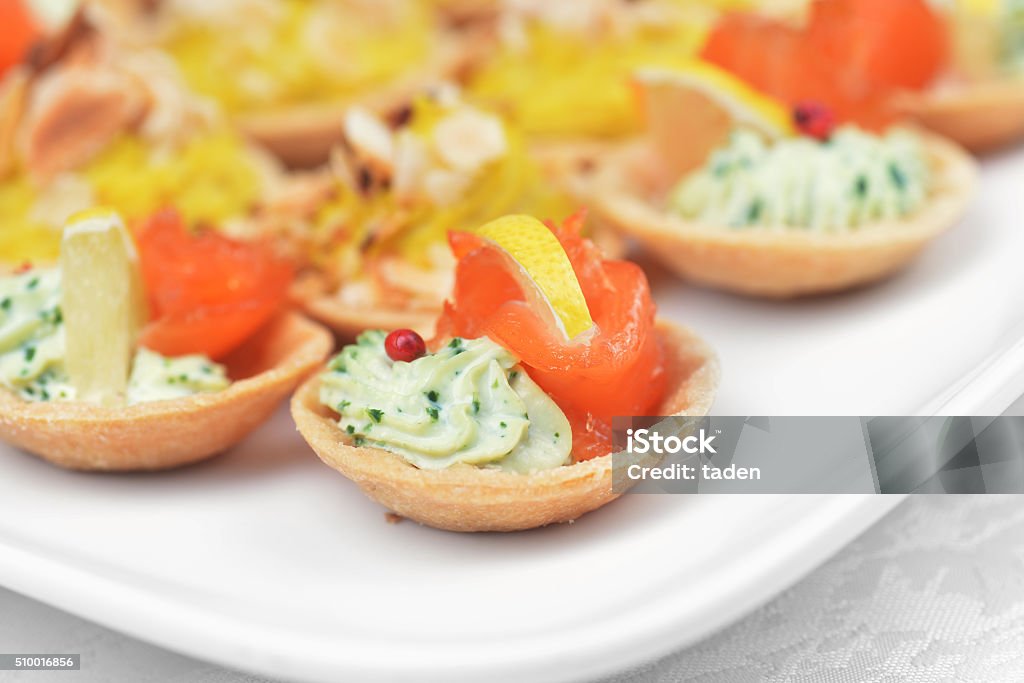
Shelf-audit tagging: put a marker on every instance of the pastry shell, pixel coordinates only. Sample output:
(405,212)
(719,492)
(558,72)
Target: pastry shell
(981,117)
(467,498)
(313,295)
(627,189)
(165,434)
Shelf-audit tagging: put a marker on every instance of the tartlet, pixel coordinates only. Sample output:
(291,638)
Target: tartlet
(166,434)
(628,187)
(466,498)
(981,117)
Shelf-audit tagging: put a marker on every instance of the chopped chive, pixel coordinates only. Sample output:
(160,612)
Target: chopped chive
(502,425)
(754,212)
(898,178)
(432,396)
(33,283)
(476,406)
(433,412)
(6,303)
(359,440)
(350,429)
(375,414)
(30,353)
(861,186)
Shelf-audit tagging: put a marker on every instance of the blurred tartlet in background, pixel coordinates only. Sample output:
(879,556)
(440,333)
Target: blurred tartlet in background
(85,122)
(954,66)
(735,190)
(560,69)
(979,102)
(285,70)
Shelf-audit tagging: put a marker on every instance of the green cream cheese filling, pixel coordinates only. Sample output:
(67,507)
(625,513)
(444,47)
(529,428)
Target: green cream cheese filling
(853,179)
(470,402)
(32,350)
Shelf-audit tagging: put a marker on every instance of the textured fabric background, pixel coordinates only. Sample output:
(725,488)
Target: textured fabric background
(932,593)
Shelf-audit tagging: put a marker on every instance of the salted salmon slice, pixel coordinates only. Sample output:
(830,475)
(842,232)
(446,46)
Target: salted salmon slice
(617,369)
(851,56)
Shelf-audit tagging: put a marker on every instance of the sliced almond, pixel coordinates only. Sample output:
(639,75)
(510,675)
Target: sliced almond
(445,187)
(370,138)
(468,139)
(412,159)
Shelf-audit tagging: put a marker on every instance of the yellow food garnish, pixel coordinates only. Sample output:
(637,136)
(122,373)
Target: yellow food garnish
(563,84)
(306,51)
(211,179)
(544,270)
(354,228)
(103,304)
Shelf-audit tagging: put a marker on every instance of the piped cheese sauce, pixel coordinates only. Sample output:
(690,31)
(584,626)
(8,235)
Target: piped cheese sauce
(32,350)
(470,402)
(853,179)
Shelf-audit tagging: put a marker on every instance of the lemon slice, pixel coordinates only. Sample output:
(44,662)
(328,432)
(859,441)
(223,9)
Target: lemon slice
(980,8)
(102,303)
(544,270)
(691,110)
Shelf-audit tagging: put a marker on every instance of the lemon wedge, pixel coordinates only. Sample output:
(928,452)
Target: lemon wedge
(980,8)
(690,110)
(102,303)
(543,270)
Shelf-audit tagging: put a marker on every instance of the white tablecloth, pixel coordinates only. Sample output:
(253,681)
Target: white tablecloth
(934,592)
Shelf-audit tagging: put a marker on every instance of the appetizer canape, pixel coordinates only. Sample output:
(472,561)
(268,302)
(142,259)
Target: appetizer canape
(147,356)
(733,191)
(980,101)
(951,65)
(374,222)
(83,123)
(503,421)
(560,69)
(294,66)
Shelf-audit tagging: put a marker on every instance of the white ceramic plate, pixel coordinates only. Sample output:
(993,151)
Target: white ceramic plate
(265,560)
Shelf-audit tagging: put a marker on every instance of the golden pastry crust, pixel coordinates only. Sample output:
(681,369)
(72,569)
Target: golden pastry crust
(467,498)
(981,116)
(627,189)
(347,320)
(165,434)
